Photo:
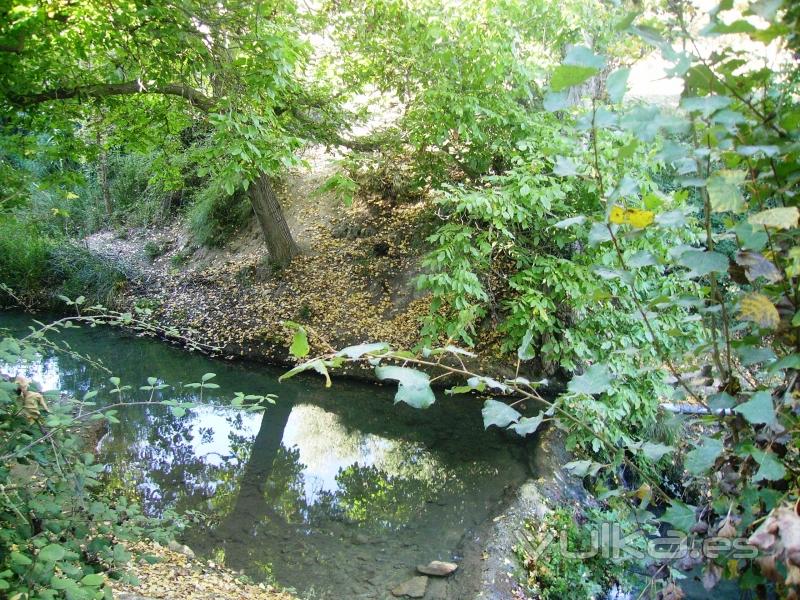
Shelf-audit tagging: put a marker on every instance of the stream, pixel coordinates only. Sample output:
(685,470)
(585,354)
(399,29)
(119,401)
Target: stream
(334,492)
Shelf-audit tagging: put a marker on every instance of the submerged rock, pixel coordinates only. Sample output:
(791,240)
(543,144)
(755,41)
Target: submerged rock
(437,568)
(413,588)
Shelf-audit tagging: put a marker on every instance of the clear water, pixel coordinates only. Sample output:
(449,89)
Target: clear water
(336,492)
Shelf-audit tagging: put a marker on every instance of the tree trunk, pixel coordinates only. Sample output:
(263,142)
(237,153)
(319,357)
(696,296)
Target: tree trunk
(103,173)
(282,247)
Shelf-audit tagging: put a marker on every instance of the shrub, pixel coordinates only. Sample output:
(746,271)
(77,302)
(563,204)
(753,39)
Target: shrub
(153,250)
(42,267)
(78,272)
(551,573)
(23,255)
(216,216)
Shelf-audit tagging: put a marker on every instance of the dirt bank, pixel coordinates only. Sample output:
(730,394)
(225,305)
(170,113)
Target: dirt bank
(354,281)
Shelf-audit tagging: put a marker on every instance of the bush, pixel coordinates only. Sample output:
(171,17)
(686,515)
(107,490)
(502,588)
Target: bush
(153,250)
(551,573)
(78,272)
(215,216)
(62,533)
(23,255)
(40,267)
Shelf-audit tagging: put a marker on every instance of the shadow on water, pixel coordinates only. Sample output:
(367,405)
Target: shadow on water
(335,492)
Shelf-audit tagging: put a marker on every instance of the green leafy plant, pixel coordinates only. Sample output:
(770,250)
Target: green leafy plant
(62,535)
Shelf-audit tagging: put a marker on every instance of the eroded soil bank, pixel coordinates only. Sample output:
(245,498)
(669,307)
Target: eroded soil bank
(354,282)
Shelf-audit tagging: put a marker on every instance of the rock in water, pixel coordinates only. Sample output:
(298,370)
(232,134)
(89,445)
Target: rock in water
(413,588)
(437,568)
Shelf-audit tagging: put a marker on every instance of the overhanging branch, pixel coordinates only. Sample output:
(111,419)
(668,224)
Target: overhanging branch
(195,97)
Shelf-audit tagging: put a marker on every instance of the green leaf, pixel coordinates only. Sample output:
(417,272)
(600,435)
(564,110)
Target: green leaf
(565,167)
(770,466)
(595,380)
(680,515)
(599,234)
(499,414)
(20,559)
(584,57)
(751,237)
(582,468)
(413,386)
(654,451)
(724,191)
(752,356)
(790,361)
(93,580)
(673,218)
(566,223)
(703,457)
(643,258)
(355,352)
(299,347)
(526,351)
(721,400)
(555,101)
(51,553)
(703,262)
(566,76)
(784,217)
(298,369)
(759,410)
(528,425)
(617,85)
(207,377)
(705,105)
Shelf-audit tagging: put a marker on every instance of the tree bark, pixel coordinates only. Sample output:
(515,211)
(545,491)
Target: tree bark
(103,174)
(282,247)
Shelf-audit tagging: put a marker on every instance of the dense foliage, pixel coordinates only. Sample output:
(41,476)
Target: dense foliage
(644,251)
(637,243)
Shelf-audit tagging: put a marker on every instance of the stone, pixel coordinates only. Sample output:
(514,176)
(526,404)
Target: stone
(360,539)
(437,568)
(180,549)
(130,596)
(413,588)
(438,590)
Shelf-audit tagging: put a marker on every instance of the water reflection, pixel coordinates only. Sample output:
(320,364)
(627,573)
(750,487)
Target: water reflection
(338,490)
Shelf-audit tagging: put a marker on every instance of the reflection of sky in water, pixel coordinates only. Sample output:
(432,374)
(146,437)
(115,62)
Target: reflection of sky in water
(325,447)
(46,374)
(413,482)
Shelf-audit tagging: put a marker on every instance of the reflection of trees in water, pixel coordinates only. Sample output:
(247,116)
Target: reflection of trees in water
(398,464)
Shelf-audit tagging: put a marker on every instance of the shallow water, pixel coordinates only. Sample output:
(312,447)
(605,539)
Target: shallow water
(336,492)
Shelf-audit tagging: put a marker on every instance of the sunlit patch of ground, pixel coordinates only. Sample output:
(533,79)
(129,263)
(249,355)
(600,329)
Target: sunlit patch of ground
(177,576)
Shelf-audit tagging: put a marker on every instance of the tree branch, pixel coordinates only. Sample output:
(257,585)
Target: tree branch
(104,90)
(12,48)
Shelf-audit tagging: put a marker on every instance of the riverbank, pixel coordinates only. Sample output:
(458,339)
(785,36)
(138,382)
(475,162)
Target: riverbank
(168,575)
(354,281)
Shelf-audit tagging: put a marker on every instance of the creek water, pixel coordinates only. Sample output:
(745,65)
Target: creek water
(335,492)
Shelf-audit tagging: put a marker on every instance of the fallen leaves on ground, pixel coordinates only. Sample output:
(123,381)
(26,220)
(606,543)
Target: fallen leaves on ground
(176,576)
